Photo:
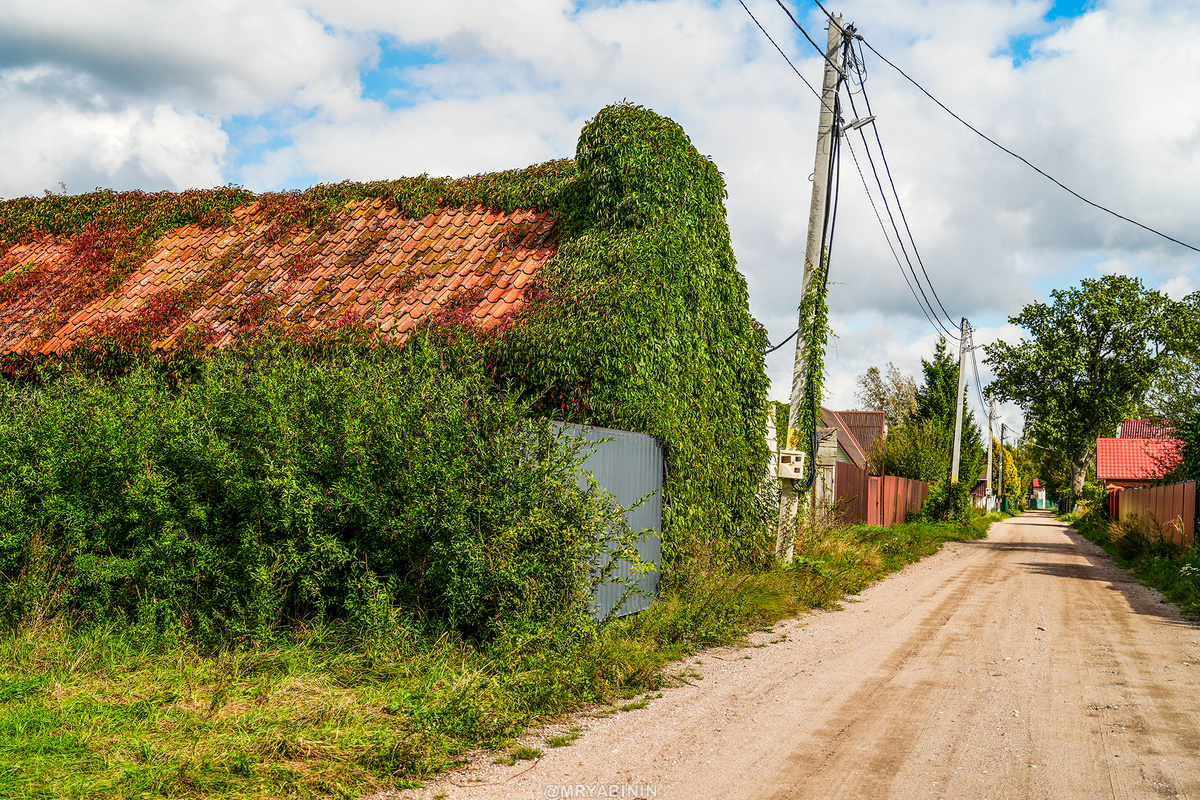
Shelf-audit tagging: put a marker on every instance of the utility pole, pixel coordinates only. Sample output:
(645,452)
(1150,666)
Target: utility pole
(1000,491)
(958,405)
(813,258)
(991,419)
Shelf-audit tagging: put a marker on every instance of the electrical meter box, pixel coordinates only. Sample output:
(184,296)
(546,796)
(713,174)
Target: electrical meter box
(791,464)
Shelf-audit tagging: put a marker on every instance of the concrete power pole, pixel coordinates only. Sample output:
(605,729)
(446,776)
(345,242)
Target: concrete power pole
(991,419)
(958,405)
(1000,491)
(813,258)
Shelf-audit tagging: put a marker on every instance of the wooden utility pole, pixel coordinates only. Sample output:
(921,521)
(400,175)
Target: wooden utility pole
(813,258)
(958,406)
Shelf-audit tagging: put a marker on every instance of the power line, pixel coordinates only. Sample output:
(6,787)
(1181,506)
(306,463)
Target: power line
(816,46)
(923,300)
(791,336)
(1022,159)
(888,239)
(900,208)
(975,366)
(859,70)
(785,58)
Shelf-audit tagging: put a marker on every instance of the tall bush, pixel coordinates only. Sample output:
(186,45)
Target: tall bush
(275,486)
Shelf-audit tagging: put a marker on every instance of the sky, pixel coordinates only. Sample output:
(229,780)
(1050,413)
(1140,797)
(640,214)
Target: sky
(1103,94)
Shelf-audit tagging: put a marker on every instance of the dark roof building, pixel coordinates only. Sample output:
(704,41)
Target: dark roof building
(1144,429)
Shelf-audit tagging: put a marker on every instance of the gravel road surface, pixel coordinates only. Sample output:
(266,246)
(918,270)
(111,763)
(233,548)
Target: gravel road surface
(1021,666)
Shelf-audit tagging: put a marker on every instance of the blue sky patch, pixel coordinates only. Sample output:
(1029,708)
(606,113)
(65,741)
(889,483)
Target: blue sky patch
(1061,12)
(386,83)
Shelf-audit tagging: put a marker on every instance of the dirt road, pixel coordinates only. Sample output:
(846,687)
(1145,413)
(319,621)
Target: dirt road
(1021,666)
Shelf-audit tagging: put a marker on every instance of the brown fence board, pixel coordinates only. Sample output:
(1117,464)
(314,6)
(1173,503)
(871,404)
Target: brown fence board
(1171,508)
(851,492)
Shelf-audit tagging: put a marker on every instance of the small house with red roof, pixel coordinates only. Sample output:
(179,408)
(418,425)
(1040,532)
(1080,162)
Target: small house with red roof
(859,434)
(1125,463)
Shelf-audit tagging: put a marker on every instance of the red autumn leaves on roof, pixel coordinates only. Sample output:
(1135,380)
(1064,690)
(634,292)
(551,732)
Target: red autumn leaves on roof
(368,267)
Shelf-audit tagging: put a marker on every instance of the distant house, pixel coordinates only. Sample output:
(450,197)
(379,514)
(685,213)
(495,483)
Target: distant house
(1144,429)
(1126,462)
(859,434)
(1037,493)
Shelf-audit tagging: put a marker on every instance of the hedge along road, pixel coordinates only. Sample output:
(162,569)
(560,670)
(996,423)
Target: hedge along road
(1025,665)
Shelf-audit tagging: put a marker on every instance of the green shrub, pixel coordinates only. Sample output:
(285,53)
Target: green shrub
(275,487)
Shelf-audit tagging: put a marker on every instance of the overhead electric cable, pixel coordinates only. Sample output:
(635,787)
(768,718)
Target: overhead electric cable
(1022,159)
(899,237)
(780,49)
(975,366)
(817,47)
(791,336)
(888,170)
(887,237)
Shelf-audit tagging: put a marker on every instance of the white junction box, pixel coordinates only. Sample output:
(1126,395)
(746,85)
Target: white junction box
(791,464)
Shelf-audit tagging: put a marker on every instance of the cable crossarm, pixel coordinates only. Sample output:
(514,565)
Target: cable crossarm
(1020,158)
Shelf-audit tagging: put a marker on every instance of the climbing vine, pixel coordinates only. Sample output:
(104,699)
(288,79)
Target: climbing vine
(639,322)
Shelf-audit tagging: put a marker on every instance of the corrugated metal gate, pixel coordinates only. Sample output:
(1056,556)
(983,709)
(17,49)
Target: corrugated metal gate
(1172,507)
(629,467)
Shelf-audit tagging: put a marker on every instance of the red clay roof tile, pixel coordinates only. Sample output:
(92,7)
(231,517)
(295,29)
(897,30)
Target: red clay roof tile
(365,258)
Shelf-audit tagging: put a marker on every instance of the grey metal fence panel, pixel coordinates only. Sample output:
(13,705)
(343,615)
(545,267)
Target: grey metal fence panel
(630,468)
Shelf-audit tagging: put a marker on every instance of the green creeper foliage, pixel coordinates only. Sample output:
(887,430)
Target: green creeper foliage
(285,480)
(274,487)
(645,327)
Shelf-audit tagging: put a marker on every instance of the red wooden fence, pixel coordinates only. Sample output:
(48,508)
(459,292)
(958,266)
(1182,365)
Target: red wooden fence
(1171,507)
(882,501)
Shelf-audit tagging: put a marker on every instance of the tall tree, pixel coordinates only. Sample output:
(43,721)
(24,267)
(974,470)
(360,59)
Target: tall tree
(921,446)
(893,393)
(1088,360)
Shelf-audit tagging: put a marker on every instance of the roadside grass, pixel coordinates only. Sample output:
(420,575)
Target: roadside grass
(101,711)
(1141,549)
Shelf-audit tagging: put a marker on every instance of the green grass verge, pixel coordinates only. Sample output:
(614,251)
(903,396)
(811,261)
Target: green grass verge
(1156,563)
(89,712)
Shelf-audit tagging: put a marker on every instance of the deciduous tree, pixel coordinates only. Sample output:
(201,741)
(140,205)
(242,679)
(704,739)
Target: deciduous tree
(1088,360)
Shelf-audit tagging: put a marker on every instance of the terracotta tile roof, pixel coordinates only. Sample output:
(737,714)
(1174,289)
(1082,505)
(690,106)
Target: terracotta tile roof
(1144,429)
(1136,459)
(369,266)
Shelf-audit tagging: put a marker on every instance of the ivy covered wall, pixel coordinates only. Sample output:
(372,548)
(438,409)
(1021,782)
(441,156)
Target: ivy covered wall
(640,322)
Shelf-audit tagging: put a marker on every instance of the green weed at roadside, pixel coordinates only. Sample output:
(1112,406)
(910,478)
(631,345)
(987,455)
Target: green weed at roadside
(100,711)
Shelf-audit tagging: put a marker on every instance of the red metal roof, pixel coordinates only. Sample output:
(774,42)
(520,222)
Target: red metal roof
(1136,459)
(865,426)
(846,438)
(1144,429)
(369,266)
